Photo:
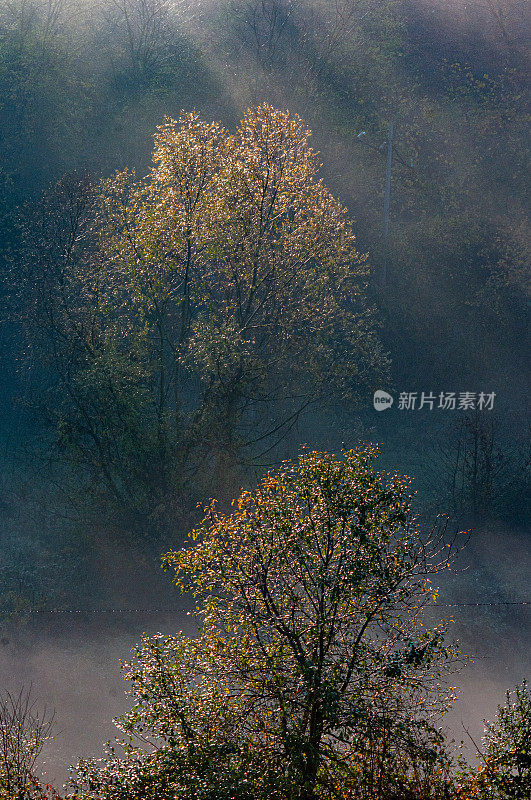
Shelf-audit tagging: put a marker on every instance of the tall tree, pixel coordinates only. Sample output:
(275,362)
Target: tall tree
(313,675)
(218,298)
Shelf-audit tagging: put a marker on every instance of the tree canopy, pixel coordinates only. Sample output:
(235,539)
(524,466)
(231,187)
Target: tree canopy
(505,769)
(313,675)
(199,311)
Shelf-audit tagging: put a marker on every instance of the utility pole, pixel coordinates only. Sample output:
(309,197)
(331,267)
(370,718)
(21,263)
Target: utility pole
(387,200)
(387,203)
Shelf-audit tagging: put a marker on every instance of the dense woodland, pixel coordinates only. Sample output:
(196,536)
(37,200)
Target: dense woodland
(202,276)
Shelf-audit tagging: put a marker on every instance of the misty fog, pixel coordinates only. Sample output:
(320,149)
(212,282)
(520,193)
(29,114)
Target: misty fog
(83,86)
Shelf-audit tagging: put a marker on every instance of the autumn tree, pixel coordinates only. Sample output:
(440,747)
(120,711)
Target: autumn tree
(202,309)
(505,769)
(24,729)
(313,675)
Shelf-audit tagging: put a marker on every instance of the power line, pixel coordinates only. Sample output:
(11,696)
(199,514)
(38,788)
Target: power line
(191,611)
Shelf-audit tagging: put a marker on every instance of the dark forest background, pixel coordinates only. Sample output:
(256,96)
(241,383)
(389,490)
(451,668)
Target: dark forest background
(83,86)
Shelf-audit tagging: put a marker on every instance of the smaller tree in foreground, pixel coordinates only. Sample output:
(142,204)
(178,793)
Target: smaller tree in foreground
(505,772)
(313,675)
(24,731)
